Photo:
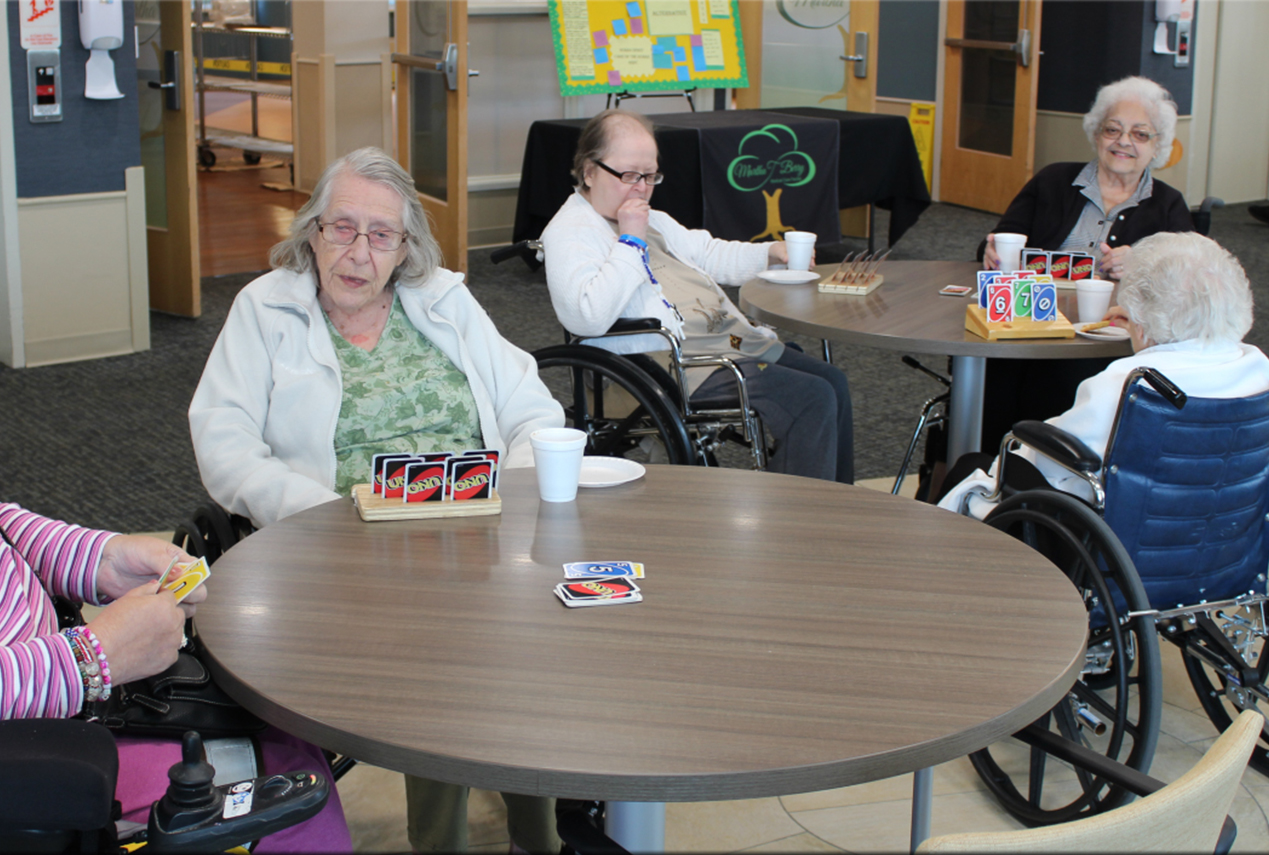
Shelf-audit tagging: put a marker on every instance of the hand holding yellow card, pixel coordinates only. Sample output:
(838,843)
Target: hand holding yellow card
(186,578)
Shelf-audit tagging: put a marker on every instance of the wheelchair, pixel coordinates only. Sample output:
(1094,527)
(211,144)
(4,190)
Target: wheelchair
(1172,544)
(632,406)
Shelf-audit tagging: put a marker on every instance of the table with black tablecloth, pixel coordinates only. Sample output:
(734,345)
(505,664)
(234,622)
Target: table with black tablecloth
(878,165)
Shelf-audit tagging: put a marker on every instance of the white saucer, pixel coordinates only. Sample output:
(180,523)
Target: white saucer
(609,471)
(1105,333)
(789,277)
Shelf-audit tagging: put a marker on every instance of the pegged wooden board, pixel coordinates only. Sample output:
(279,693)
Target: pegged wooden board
(857,289)
(375,509)
(976,322)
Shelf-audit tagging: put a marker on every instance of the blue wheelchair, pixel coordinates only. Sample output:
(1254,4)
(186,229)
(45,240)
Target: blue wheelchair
(1173,544)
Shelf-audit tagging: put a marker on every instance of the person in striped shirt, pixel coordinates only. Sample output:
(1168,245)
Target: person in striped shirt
(47,673)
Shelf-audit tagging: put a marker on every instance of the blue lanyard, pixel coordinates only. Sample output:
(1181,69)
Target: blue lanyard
(642,246)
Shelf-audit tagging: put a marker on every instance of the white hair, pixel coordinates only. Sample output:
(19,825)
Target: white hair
(1156,101)
(423,254)
(1185,287)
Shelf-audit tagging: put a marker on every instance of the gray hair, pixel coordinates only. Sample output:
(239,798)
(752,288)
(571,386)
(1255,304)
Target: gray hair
(1184,287)
(423,254)
(1154,98)
(596,135)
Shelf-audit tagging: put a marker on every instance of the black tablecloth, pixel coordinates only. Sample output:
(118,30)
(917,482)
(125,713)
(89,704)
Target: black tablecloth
(879,165)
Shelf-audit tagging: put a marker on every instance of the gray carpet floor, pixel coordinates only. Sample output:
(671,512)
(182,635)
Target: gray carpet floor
(106,442)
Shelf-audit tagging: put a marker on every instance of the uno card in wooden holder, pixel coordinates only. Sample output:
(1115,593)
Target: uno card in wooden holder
(1022,328)
(373,508)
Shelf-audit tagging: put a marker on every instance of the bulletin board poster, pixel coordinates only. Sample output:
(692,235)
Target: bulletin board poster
(606,46)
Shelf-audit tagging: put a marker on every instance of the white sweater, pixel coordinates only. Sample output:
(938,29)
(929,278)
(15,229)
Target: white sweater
(1224,370)
(594,280)
(263,417)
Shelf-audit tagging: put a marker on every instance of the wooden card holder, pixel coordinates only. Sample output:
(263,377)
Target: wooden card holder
(372,508)
(977,323)
(857,289)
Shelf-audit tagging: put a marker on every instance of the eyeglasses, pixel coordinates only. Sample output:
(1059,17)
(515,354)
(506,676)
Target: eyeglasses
(653,178)
(345,234)
(1112,133)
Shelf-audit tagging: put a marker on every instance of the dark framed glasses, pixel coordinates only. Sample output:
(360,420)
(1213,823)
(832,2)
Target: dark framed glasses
(653,178)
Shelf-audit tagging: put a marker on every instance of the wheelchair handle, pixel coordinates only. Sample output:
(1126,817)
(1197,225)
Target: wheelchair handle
(528,249)
(1165,387)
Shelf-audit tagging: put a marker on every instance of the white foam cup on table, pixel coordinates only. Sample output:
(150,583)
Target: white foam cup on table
(800,246)
(557,454)
(1009,247)
(1093,296)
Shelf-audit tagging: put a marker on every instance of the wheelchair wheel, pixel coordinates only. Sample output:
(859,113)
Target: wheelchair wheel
(625,412)
(1215,675)
(1114,707)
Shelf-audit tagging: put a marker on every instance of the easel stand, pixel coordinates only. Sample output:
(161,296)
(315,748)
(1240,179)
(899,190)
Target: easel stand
(626,95)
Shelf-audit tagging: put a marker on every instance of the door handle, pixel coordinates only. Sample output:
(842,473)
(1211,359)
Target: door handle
(1022,47)
(447,64)
(860,56)
(172,71)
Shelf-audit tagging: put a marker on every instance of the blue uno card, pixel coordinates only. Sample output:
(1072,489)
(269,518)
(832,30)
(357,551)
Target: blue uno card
(603,570)
(1044,301)
(985,278)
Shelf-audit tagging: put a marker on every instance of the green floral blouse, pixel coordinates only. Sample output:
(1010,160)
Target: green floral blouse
(403,396)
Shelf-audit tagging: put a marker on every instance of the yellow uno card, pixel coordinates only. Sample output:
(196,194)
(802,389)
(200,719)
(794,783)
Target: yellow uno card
(190,577)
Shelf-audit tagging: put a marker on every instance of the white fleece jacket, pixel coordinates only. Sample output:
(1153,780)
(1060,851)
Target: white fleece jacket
(594,280)
(263,417)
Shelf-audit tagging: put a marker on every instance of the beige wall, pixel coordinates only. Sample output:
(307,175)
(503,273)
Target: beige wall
(95,301)
(1238,167)
(1060,137)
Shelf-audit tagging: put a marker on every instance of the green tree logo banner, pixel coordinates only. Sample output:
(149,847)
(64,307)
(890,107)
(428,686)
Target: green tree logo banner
(770,157)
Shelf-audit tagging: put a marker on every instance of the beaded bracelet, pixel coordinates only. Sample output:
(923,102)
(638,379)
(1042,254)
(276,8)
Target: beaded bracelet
(94,670)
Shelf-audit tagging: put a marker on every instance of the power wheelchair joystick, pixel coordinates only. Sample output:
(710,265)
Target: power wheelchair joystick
(197,816)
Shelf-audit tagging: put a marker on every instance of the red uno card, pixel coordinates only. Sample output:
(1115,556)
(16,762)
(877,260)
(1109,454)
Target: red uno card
(1000,302)
(471,478)
(425,482)
(376,469)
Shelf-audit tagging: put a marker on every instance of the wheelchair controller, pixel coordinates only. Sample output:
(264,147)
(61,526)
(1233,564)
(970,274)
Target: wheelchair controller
(195,816)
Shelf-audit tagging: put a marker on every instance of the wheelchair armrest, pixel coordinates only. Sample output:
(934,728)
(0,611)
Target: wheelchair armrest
(1062,447)
(631,325)
(56,775)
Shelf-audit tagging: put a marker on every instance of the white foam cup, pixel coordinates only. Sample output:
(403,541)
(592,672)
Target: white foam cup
(800,246)
(557,454)
(1093,296)
(1009,248)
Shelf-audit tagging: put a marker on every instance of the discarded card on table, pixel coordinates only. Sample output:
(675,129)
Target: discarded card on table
(603,570)
(598,592)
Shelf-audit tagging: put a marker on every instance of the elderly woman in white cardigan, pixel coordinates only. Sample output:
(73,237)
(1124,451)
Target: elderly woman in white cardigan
(1187,304)
(609,255)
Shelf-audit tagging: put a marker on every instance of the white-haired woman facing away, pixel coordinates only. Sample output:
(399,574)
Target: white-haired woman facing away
(1187,305)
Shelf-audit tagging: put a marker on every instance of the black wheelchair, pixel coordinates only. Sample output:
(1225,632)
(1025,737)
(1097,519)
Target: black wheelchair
(634,406)
(1173,543)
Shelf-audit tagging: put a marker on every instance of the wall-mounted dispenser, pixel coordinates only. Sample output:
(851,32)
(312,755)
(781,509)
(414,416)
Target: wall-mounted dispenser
(1180,12)
(101,31)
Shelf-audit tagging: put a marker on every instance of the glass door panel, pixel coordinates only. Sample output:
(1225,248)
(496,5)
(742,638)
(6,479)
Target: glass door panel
(429,120)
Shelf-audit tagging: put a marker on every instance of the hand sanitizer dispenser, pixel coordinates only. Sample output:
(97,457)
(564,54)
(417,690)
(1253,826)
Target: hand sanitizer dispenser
(101,31)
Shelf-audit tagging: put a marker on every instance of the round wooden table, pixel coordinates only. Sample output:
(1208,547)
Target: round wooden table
(908,314)
(795,635)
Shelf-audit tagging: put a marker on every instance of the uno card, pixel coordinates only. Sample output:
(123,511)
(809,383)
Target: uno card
(490,454)
(187,578)
(471,478)
(1060,265)
(985,278)
(955,290)
(1044,301)
(425,481)
(598,592)
(394,476)
(1081,266)
(376,470)
(603,570)
(435,456)
(1035,261)
(1000,302)
(1022,297)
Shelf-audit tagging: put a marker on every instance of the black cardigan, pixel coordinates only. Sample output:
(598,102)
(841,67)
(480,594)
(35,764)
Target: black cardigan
(1048,207)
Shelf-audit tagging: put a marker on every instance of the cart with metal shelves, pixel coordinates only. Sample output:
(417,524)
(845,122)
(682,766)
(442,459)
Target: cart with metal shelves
(253,145)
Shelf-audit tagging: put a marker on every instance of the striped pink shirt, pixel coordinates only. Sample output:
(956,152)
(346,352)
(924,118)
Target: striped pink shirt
(38,676)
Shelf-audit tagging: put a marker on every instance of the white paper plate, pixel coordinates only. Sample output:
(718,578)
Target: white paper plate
(1105,333)
(609,471)
(789,277)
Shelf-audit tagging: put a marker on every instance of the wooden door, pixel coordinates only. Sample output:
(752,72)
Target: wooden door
(989,88)
(861,92)
(431,105)
(165,56)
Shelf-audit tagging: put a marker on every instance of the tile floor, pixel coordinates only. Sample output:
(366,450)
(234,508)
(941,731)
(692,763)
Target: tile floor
(870,817)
